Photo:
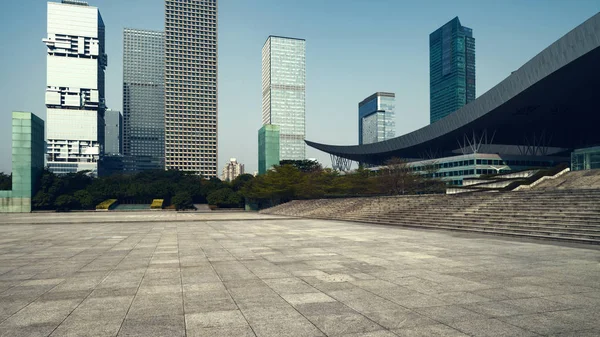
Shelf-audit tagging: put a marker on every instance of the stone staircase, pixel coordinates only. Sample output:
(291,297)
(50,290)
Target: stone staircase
(560,214)
(588,179)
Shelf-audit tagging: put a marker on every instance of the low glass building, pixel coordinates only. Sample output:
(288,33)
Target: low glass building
(585,159)
(453,170)
(28,149)
(268,147)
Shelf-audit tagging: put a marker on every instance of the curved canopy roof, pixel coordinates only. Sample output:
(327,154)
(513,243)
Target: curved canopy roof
(555,95)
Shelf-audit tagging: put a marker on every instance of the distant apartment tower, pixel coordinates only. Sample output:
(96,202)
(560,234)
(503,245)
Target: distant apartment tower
(75,104)
(268,147)
(191,86)
(232,170)
(144,98)
(451,69)
(113,132)
(284,93)
(377,118)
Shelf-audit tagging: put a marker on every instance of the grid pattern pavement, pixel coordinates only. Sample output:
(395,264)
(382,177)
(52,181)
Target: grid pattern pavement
(286,278)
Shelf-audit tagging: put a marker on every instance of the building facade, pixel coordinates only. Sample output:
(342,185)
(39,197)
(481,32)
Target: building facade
(144,96)
(451,69)
(113,132)
(27,162)
(453,170)
(75,105)
(377,118)
(232,170)
(268,147)
(284,93)
(191,86)
(585,159)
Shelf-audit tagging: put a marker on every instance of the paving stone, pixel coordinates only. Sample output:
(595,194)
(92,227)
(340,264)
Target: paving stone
(153,326)
(380,333)
(399,319)
(305,298)
(342,324)
(496,309)
(450,314)
(215,319)
(534,305)
(490,328)
(221,332)
(298,327)
(434,330)
(95,276)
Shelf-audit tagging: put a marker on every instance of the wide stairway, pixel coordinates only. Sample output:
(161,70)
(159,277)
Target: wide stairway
(558,214)
(588,179)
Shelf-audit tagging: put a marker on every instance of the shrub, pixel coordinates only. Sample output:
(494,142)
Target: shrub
(66,203)
(157,204)
(224,197)
(183,200)
(107,204)
(85,199)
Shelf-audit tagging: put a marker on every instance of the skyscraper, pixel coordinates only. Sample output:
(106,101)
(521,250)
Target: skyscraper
(377,118)
(144,97)
(113,132)
(283,93)
(191,86)
(451,69)
(75,104)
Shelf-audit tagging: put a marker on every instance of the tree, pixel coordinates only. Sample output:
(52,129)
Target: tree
(182,201)
(240,181)
(305,165)
(66,203)
(42,200)
(398,178)
(5,182)
(85,199)
(225,197)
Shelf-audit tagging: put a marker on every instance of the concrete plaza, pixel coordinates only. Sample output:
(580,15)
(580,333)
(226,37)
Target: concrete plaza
(244,274)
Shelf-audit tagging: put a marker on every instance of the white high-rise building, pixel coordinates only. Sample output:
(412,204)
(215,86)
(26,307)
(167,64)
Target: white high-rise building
(75,104)
(232,170)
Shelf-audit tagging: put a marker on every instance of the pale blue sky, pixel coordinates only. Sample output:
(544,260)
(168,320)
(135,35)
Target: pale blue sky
(354,48)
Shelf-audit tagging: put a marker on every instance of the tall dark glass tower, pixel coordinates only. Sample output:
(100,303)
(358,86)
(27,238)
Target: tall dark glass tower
(451,69)
(144,98)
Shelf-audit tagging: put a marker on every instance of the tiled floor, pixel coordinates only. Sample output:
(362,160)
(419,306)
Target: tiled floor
(240,274)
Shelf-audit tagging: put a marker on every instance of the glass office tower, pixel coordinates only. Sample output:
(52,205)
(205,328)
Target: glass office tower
(191,86)
(377,118)
(451,69)
(144,97)
(283,93)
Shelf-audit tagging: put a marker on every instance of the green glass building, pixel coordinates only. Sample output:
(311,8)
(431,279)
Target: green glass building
(27,162)
(451,69)
(585,159)
(268,147)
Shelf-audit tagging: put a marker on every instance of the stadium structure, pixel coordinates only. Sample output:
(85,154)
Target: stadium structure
(536,117)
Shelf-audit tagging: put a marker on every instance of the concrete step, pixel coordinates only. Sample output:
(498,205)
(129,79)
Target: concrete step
(512,229)
(576,217)
(591,228)
(483,231)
